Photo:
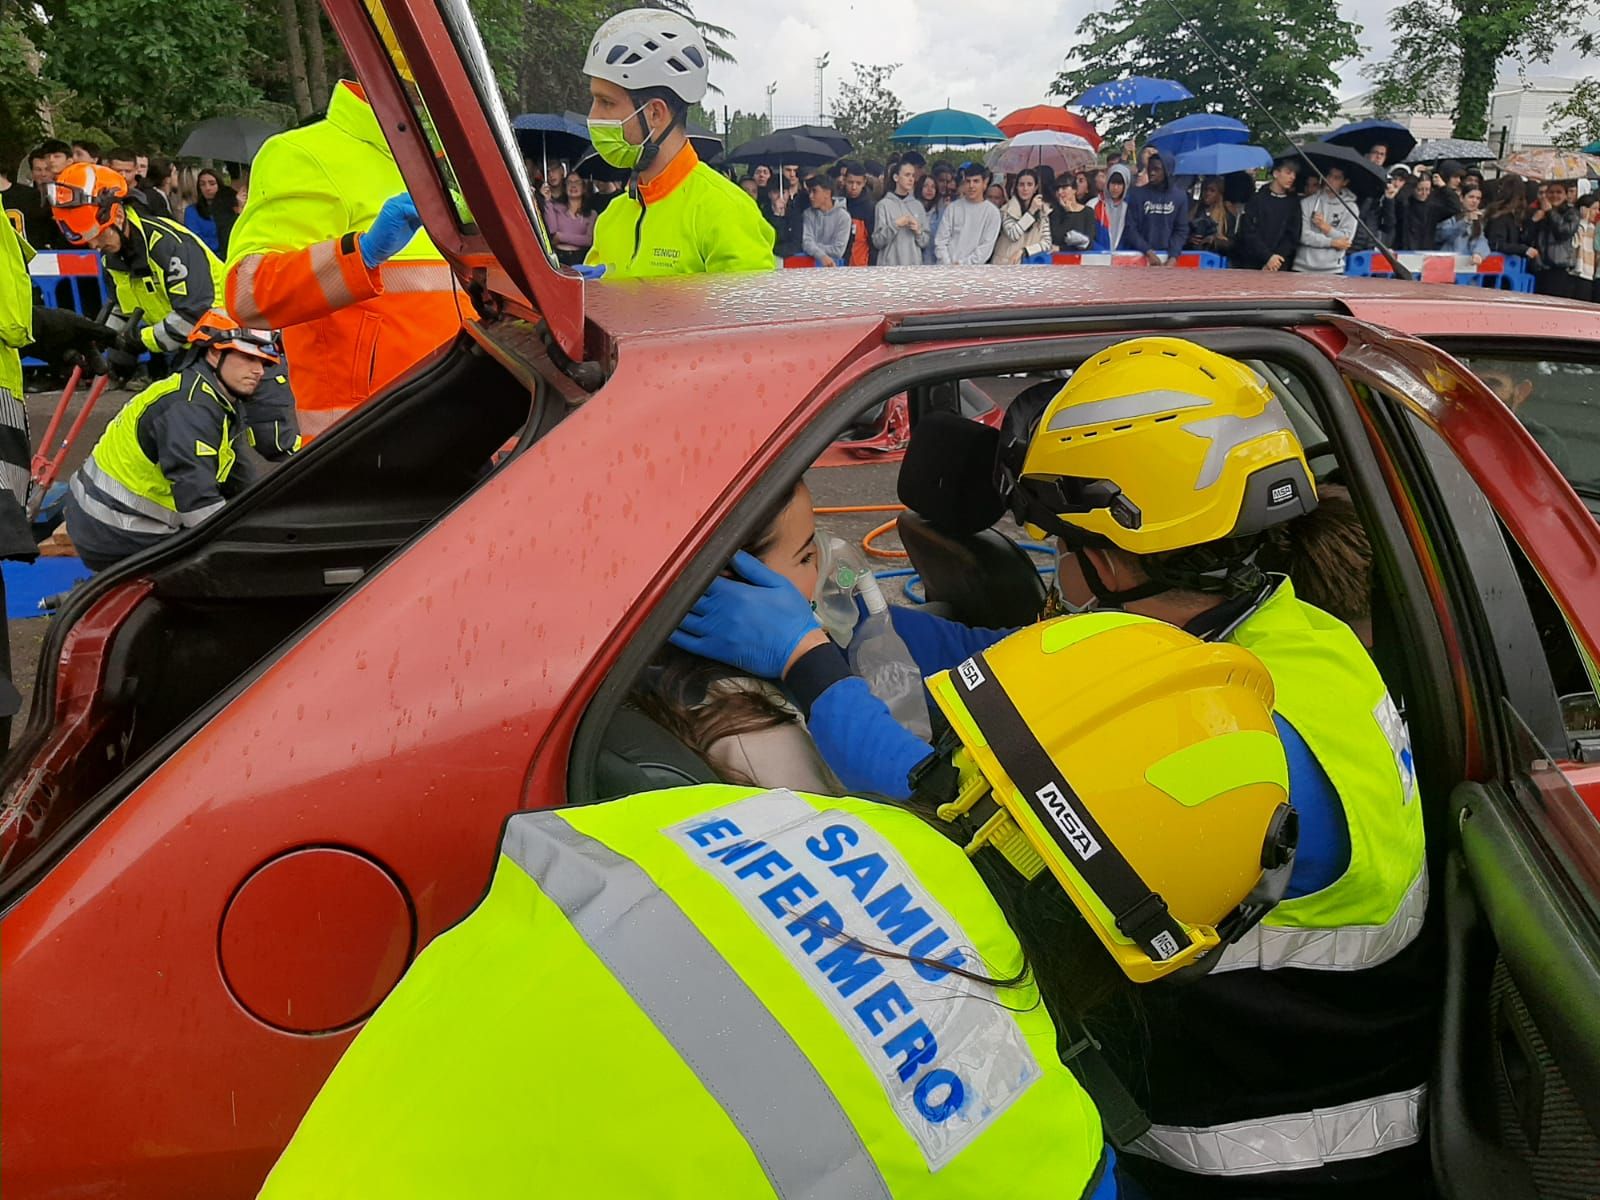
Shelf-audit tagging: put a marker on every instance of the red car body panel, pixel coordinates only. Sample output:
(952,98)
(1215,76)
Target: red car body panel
(162,1033)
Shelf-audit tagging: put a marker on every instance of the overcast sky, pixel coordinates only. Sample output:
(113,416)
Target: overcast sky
(1007,56)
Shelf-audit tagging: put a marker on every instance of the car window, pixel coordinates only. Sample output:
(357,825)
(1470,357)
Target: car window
(1558,402)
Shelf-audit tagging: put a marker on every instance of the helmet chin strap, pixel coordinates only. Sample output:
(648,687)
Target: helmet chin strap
(1106,596)
(650,148)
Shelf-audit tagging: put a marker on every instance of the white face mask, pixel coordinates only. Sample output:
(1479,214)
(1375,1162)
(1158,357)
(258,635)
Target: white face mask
(1062,603)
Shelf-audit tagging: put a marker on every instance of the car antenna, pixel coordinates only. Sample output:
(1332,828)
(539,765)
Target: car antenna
(1401,271)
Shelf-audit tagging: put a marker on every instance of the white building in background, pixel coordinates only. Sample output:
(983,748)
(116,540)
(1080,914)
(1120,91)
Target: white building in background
(1359,108)
(1519,113)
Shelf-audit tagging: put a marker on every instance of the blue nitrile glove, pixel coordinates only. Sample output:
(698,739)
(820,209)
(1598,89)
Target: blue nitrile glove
(392,228)
(589,272)
(752,626)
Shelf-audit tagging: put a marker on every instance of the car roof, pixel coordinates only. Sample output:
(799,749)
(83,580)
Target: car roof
(688,304)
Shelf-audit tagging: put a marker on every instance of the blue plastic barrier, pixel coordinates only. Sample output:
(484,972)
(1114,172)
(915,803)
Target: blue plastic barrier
(72,279)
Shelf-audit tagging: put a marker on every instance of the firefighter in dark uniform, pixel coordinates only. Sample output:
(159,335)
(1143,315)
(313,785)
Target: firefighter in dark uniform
(172,457)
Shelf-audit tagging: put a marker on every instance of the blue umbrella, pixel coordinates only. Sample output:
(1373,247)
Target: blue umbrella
(1592,148)
(1134,92)
(1222,159)
(1362,136)
(947,127)
(1197,130)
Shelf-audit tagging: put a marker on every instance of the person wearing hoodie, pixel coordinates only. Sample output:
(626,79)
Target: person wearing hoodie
(1158,213)
(825,225)
(1111,210)
(901,226)
(1269,234)
(1327,225)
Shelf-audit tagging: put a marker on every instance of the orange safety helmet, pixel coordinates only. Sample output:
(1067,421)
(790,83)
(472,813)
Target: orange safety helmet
(85,200)
(216,331)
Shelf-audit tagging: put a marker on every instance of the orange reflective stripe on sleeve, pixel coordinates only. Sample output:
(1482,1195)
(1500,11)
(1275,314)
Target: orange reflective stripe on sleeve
(293,286)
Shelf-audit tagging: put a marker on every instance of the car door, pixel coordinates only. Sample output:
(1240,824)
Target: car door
(1516,557)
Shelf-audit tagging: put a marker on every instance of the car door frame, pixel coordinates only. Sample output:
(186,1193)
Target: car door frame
(1503,893)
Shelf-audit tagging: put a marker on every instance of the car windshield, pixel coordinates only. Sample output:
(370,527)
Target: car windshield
(1558,401)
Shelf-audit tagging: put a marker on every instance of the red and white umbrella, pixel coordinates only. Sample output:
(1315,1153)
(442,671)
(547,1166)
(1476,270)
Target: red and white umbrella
(1063,153)
(1041,118)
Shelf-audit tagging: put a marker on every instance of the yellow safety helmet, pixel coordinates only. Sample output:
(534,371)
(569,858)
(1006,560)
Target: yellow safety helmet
(1139,765)
(1159,444)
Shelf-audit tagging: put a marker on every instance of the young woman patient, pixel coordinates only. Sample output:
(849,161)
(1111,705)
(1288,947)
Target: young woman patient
(747,730)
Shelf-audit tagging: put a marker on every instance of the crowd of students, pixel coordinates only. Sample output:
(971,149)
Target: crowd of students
(907,212)
(202,199)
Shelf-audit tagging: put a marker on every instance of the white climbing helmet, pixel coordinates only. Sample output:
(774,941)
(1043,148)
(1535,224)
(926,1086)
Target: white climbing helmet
(647,48)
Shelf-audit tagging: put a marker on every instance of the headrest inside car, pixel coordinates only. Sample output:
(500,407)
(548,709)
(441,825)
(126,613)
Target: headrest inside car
(947,476)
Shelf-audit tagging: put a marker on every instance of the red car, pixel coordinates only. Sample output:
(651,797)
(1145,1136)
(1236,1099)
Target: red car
(268,760)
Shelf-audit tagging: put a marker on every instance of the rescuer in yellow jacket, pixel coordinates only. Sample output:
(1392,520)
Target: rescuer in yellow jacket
(714,991)
(678,216)
(1299,1063)
(330,250)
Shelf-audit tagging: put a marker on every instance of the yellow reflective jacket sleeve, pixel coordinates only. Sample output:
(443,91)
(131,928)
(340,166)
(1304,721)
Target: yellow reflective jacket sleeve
(16,306)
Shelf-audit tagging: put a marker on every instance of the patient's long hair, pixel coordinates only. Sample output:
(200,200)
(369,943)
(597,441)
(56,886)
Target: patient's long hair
(676,690)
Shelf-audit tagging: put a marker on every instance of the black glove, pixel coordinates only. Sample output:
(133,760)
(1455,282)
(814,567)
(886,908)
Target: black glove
(128,340)
(91,360)
(121,363)
(59,330)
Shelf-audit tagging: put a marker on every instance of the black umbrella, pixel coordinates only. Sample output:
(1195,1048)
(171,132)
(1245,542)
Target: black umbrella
(1362,136)
(231,139)
(1367,179)
(828,136)
(784,148)
(547,137)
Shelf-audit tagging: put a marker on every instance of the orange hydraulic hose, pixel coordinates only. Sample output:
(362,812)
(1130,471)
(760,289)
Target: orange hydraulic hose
(866,543)
(886,527)
(859,508)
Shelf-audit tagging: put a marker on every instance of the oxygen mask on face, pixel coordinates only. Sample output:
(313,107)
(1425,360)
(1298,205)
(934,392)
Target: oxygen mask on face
(839,571)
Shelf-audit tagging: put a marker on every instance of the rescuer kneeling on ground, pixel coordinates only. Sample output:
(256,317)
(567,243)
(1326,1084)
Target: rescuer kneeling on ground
(721,991)
(171,457)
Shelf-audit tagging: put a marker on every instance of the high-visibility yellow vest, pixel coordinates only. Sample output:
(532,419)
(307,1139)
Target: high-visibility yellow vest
(686,221)
(16,307)
(709,992)
(1322,675)
(120,458)
(1308,1043)
(152,294)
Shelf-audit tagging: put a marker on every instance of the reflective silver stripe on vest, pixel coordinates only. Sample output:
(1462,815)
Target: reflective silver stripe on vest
(1344,948)
(114,489)
(406,276)
(243,300)
(1295,1142)
(806,1145)
(325,269)
(86,494)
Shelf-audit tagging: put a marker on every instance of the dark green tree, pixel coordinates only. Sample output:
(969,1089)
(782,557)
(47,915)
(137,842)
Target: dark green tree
(537,47)
(145,70)
(1575,122)
(867,111)
(1285,50)
(1448,53)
